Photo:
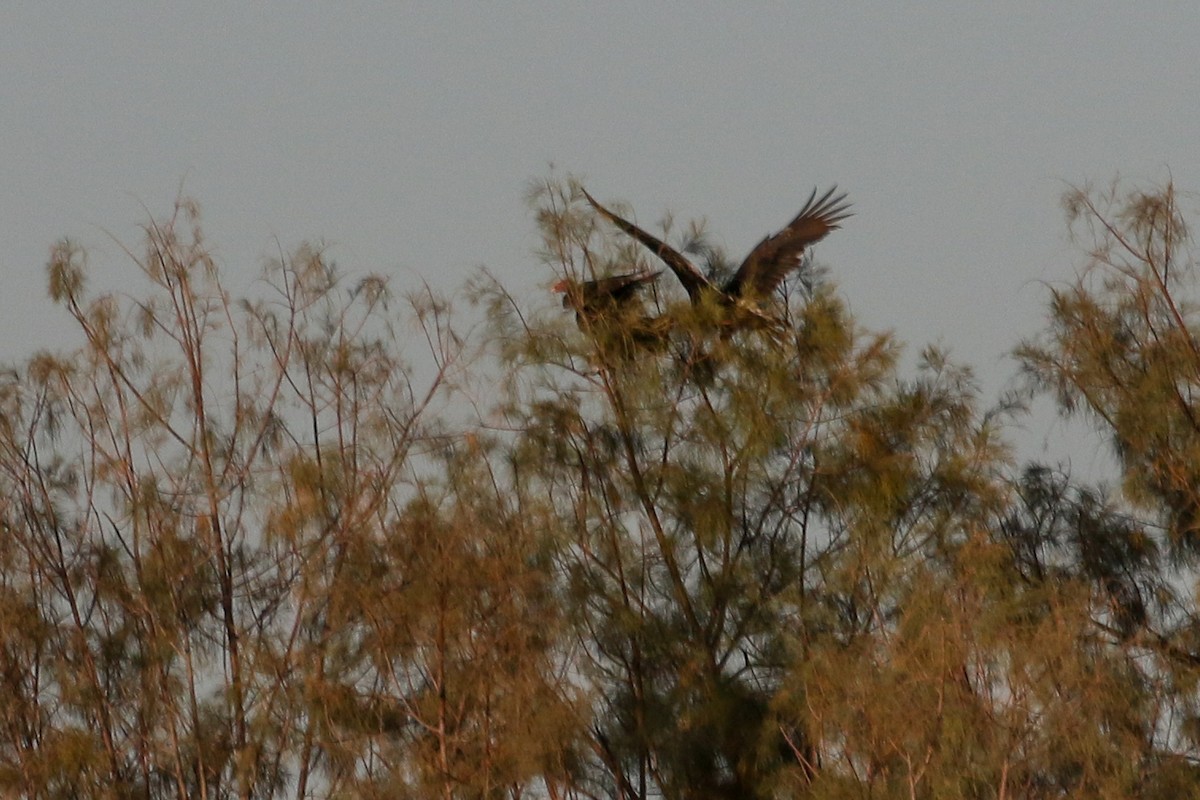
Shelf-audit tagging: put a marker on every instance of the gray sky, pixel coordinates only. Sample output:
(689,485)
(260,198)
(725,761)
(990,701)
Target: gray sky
(404,135)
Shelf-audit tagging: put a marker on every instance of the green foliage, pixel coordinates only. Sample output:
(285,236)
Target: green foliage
(249,550)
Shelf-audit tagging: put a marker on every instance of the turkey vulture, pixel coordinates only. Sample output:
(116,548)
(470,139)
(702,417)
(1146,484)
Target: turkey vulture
(606,311)
(602,298)
(763,269)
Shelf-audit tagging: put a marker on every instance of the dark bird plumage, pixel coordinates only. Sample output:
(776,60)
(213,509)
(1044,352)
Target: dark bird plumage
(767,264)
(603,298)
(606,310)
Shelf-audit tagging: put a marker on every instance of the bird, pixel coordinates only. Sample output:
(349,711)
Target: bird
(605,309)
(761,272)
(603,298)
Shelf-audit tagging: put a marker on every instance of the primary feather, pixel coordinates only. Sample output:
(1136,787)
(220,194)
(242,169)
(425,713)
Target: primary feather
(767,265)
(693,280)
(779,254)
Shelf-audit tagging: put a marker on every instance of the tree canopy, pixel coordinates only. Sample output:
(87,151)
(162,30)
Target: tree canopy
(329,541)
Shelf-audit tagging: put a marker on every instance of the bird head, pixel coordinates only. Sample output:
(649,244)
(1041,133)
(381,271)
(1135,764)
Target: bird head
(567,289)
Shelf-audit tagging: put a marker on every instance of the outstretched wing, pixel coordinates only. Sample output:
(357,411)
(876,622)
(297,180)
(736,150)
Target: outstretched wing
(777,255)
(692,279)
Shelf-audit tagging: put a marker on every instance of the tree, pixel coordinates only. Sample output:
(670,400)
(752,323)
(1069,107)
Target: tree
(249,550)
(1121,353)
(206,508)
(793,571)
(727,524)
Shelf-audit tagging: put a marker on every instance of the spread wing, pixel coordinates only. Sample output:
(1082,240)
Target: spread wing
(777,255)
(692,279)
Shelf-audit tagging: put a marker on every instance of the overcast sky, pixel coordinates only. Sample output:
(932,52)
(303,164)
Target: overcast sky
(404,135)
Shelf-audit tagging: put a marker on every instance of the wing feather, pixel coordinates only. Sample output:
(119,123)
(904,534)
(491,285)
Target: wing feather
(619,289)
(692,279)
(603,296)
(775,256)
